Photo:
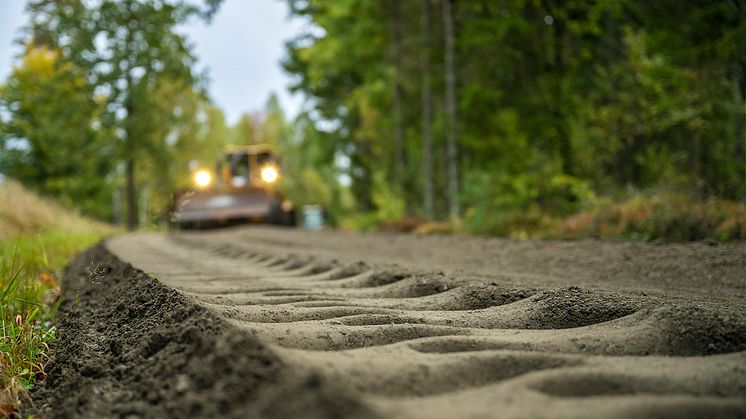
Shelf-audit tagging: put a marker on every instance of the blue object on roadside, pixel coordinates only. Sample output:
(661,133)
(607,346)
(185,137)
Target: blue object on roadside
(313,217)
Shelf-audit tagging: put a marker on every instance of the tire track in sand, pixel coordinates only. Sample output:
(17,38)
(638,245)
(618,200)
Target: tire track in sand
(426,344)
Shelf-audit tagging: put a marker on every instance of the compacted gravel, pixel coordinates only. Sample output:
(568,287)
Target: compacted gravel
(271,322)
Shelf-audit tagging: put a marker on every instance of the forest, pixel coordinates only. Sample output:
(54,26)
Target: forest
(522,118)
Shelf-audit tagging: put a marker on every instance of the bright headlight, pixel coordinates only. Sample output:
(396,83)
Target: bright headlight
(202,178)
(269,174)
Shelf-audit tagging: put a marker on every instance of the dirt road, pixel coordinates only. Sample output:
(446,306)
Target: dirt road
(346,325)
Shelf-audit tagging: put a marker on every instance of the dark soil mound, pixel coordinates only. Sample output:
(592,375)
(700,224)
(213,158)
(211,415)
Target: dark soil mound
(130,347)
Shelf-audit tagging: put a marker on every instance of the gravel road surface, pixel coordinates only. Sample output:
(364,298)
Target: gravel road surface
(282,322)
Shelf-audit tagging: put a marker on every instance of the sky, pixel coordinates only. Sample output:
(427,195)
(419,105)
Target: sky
(241,49)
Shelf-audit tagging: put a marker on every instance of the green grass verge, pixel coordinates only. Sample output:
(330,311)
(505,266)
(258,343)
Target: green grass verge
(30,266)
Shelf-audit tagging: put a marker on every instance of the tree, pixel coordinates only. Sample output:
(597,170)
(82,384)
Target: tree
(48,140)
(244,131)
(451,110)
(129,50)
(529,107)
(396,22)
(340,72)
(427,138)
(275,127)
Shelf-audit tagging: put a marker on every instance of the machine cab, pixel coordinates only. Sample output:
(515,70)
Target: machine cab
(249,166)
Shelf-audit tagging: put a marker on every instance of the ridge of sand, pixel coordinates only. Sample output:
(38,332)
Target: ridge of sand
(410,343)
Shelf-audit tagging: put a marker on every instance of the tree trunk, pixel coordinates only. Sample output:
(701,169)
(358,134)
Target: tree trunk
(398,120)
(451,116)
(427,136)
(131,189)
(363,182)
(131,194)
(739,122)
(560,68)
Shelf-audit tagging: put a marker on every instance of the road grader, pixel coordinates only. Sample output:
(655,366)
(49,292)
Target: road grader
(243,188)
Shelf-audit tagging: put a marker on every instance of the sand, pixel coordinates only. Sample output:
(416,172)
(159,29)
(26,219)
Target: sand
(270,322)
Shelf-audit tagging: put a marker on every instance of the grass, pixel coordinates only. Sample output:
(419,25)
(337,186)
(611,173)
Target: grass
(23,212)
(37,238)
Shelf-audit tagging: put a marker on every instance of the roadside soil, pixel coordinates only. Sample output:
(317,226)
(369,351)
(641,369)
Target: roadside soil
(272,322)
(128,346)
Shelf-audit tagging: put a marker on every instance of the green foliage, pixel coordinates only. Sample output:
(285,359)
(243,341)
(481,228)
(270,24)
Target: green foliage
(310,175)
(106,94)
(524,204)
(344,71)
(29,293)
(389,207)
(559,104)
(49,141)
(668,216)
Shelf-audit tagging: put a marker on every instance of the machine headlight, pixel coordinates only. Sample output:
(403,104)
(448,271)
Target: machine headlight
(269,174)
(202,178)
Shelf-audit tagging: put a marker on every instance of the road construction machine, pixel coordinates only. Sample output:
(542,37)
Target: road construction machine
(242,188)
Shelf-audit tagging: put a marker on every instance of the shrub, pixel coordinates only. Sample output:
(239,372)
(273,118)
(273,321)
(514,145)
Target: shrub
(668,216)
(522,205)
